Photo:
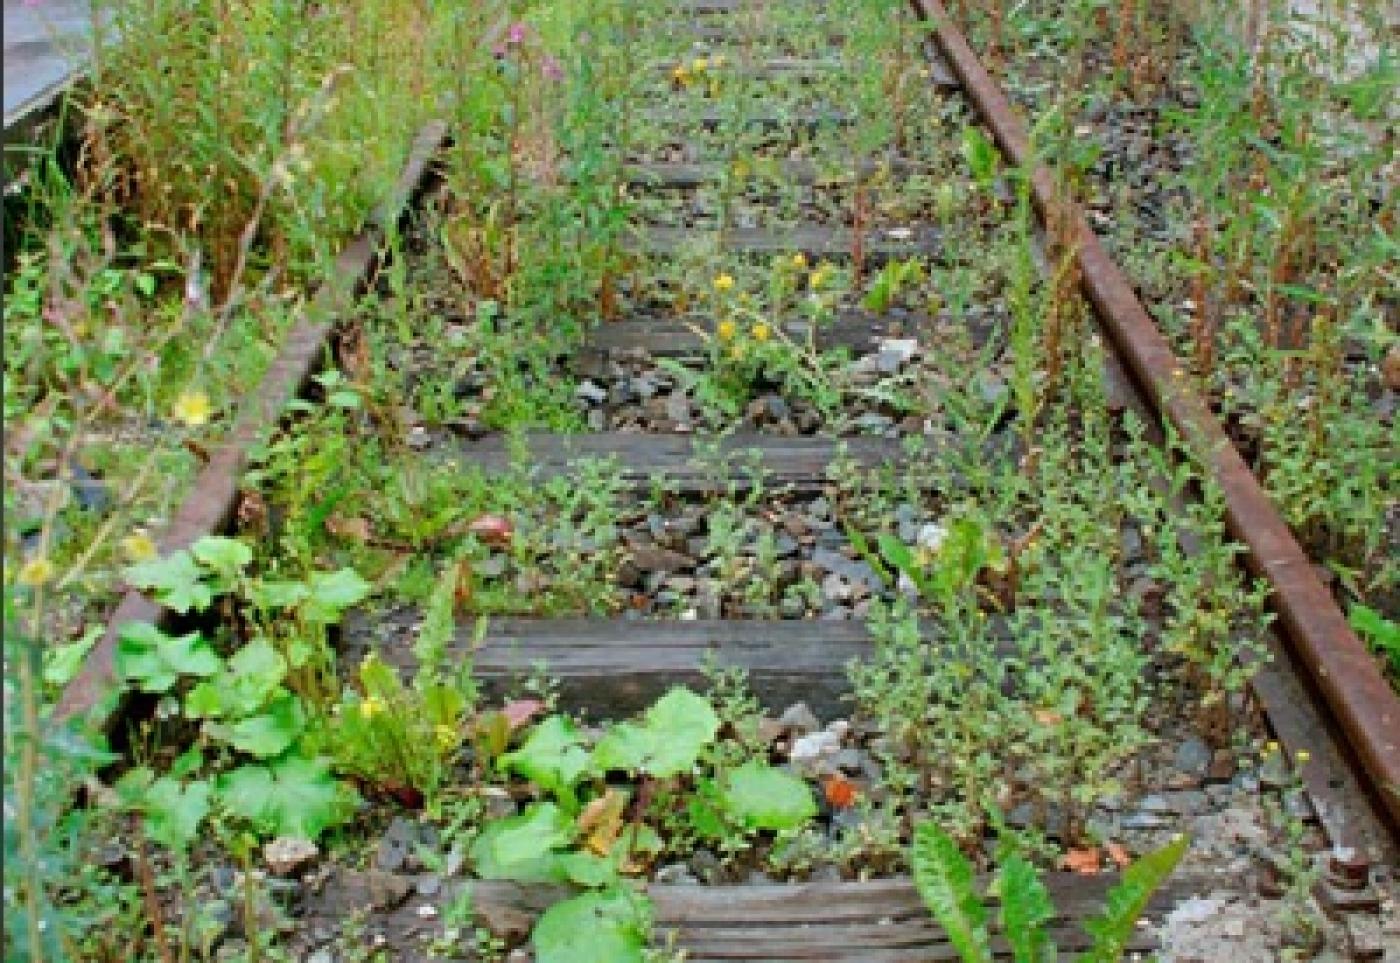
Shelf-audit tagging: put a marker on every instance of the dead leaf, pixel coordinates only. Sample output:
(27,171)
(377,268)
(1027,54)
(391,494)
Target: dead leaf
(355,528)
(1084,861)
(521,711)
(1047,717)
(1119,855)
(601,819)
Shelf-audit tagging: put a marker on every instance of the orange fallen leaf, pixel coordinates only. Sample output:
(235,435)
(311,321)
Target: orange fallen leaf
(1085,861)
(1119,855)
(840,791)
(1047,717)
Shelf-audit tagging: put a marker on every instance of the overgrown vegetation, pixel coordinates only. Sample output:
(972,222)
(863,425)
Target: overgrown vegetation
(1050,595)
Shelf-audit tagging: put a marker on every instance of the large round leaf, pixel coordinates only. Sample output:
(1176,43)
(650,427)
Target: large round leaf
(604,927)
(757,796)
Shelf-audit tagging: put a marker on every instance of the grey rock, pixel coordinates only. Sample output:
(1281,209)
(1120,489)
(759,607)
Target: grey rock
(591,393)
(676,874)
(395,845)
(1193,756)
(286,854)
(427,884)
(651,558)
(799,719)
(835,588)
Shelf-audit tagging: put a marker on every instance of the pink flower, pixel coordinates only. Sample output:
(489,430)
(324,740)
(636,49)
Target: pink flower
(551,70)
(516,33)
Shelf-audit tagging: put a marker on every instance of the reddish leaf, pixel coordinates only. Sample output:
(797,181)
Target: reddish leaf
(521,711)
(492,529)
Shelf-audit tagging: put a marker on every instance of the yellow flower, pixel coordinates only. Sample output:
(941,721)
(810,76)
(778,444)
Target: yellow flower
(36,572)
(1270,748)
(138,547)
(699,65)
(737,352)
(371,707)
(446,736)
(192,408)
(799,260)
(726,330)
(1302,756)
(680,75)
(760,332)
(724,282)
(818,278)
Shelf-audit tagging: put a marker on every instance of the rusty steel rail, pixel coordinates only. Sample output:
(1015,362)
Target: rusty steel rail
(1358,697)
(210,505)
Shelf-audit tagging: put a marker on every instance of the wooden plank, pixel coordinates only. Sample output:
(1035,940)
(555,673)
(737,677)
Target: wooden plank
(812,240)
(859,331)
(616,667)
(795,120)
(798,463)
(686,176)
(879,920)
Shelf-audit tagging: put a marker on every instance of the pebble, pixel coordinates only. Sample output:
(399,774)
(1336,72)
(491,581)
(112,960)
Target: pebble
(799,718)
(813,748)
(285,854)
(395,846)
(1194,757)
(676,874)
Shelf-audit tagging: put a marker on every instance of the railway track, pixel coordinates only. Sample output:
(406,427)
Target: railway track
(808,475)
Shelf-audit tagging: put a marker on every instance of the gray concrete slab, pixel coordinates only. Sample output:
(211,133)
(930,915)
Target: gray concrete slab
(45,46)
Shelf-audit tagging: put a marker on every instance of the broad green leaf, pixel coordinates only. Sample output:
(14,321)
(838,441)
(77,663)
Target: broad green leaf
(605,927)
(252,675)
(1116,925)
(174,811)
(667,742)
(944,879)
(331,593)
(292,797)
(586,869)
(1025,909)
(175,581)
(267,734)
(552,757)
(277,595)
(758,796)
(225,557)
(155,661)
(519,847)
(62,662)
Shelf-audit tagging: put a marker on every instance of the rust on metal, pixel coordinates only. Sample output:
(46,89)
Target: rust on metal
(1345,673)
(209,507)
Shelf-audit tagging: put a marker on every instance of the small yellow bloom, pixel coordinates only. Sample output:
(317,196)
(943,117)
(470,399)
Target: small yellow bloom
(446,736)
(699,65)
(680,75)
(737,352)
(724,282)
(1303,756)
(138,547)
(1270,748)
(193,408)
(726,330)
(371,707)
(818,278)
(799,261)
(36,572)
(761,332)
